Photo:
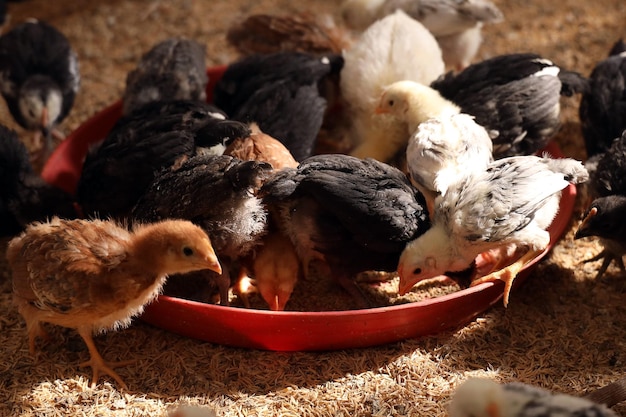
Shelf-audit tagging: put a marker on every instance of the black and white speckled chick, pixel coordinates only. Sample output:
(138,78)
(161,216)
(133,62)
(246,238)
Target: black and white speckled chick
(24,196)
(352,214)
(218,193)
(39,77)
(281,93)
(481,397)
(118,171)
(516,97)
(603,107)
(173,69)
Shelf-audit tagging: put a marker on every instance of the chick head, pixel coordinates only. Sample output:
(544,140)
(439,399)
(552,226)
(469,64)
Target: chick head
(40,102)
(182,246)
(603,218)
(426,257)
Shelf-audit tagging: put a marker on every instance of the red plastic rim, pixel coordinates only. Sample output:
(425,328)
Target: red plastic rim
(297,331)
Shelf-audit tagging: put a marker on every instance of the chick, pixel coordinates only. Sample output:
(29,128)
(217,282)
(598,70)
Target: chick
(24,196)
(479,397)
(218,193)
(384,53)
(117,171)
(281,93)
(261,147)
(173,69)
(603,107)
(510,204)
(94,276)
(300,32)
(39,79)
(605,218)
(444,150)
(351,214)
(607,170)
(516,97)
(456,24)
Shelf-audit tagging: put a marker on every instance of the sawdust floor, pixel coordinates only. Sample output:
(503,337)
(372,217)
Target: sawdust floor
(563,330)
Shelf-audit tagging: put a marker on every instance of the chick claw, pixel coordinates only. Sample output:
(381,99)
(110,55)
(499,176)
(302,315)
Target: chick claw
(508,274)
(98,365)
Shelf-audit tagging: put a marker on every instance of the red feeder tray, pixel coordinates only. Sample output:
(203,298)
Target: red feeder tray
(297,331)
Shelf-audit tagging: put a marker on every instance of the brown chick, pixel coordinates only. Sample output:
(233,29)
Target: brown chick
(94,276)
(261,147)
(302,32)
(276,269)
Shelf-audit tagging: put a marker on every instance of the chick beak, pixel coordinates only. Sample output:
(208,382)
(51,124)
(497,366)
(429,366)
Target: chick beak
(492,410)
(381,110)
(211,262)
(405,283)
(583,229)
(44,119)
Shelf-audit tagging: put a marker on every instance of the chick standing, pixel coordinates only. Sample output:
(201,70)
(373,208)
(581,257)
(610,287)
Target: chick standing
(456,24)
(509,204)
(39,78)
(94,276)
(478,397)
(351,214)
(603,107)
(279,92)
(516,97)
(173,69)
(383,54)
(24,196)
(219,194)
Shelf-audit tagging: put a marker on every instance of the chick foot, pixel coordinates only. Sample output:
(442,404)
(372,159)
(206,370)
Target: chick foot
(508,274)
(98,364)
(606,257)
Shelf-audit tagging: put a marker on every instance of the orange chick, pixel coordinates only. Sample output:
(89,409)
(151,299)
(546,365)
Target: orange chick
(261,147)
(276,269)
(302,32)
(94,276)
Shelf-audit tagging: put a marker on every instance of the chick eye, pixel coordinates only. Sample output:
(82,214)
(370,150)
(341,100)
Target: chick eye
(187,251)
(390,102)
(417,271)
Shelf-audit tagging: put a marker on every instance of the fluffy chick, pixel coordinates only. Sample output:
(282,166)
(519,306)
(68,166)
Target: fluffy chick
(24,196)
(383,54)
(516,97)
(94,276)
(173,69)
(456,24)
(218,193)
(354,215)
(510,203)
(479,397)
(445,149)
(603,107)
(117,171)
(301,32)
(605,218)
(39,79)
(261,147)
(281,93)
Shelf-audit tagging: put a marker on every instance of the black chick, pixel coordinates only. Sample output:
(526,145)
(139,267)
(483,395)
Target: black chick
(607,170)
(281,93)
(173,69)
(24,196)
(605,218)
(118,171)
(39,78)
(352,214)
(218,193)
(515,97)
(603,107)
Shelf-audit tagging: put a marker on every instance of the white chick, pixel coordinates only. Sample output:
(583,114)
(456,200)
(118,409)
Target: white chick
(444,150)
(385,53)
(480,397)
(456,24)
(509,204)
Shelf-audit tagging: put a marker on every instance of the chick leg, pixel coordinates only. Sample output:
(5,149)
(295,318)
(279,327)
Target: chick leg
(606,257)
(97,363)
(33,325)
(508,274)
